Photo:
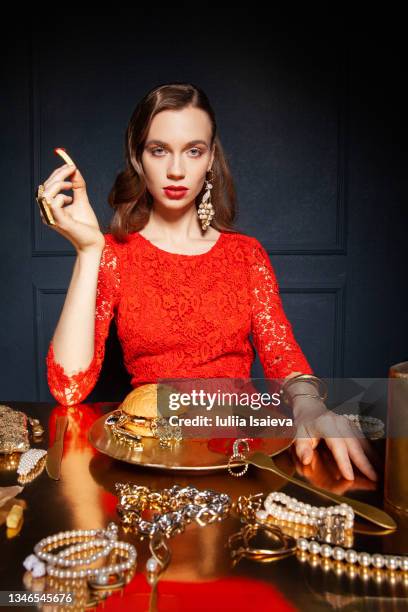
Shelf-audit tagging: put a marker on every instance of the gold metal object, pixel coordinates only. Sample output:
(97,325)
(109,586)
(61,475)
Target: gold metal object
(13,430)
(15,516)
(308,378)
(115,422)
(120,424)
(205,209)
(165,432)
(44,206)
(118,584)
(246,507)
(34,473)
(42,202)
(371,513)
(240,457)
(178,506)
(190,455)
(396,450)
(36,427)
(54,455)
(239,544)
(161,557)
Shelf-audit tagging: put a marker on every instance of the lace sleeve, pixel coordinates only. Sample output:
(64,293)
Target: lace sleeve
(73,389)
(272,333)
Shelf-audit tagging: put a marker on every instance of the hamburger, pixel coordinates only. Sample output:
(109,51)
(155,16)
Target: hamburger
(141,407)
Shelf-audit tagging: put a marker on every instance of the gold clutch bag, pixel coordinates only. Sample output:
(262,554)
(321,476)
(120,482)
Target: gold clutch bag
(13,430)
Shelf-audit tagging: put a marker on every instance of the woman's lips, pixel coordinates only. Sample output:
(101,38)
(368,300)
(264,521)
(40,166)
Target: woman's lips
(175,194)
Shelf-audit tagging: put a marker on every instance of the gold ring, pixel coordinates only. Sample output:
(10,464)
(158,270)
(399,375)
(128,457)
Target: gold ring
(44,205)
(241,457)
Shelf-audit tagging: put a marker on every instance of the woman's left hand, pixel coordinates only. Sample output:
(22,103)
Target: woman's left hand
(347,447)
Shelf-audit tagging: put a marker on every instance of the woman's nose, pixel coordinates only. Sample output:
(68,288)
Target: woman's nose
(175,168)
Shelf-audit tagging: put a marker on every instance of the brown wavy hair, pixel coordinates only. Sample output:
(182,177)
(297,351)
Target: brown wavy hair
(129,197)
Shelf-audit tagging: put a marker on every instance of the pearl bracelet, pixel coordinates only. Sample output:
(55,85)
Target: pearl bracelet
(329,523)
(305,514)
(106,539)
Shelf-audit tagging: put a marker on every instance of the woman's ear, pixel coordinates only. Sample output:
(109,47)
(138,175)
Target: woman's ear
(211,158)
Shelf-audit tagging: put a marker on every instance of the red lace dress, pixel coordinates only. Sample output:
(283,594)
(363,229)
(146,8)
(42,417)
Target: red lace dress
(186,316)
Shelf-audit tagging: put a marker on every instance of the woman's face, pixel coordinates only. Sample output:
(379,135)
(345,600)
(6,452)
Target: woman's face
(177,153)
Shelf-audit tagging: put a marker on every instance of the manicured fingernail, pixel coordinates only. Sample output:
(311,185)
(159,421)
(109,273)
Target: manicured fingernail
(373,475)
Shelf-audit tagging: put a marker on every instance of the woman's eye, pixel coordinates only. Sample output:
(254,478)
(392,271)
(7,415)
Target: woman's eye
(154,151)
(157,149)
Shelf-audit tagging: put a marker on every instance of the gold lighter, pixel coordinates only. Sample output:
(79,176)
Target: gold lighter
(41,200)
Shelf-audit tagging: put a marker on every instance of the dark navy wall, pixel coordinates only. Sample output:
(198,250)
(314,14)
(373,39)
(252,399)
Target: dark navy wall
(312,129)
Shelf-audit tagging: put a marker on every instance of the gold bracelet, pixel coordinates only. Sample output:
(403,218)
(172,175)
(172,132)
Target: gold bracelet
(177,506)
(307,395)
(239,544)
(317,382)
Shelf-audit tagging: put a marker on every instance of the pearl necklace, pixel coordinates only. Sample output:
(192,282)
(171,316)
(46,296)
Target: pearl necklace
(376,560)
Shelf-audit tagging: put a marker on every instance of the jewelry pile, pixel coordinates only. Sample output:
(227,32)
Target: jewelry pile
(177,507)
(115,423)
(160,428)
(329,525)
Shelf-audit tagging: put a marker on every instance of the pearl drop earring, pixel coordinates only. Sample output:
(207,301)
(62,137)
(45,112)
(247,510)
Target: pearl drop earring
(206,210)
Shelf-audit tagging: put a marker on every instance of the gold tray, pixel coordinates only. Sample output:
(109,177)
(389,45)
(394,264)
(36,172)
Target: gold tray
(189,455)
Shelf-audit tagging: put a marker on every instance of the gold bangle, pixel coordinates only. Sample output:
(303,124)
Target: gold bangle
(265,555)
(317,382)
(307,395)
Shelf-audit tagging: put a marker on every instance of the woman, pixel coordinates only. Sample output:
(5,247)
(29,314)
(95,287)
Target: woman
(185,287)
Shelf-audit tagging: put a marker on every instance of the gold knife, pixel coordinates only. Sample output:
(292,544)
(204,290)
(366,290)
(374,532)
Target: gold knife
(54,455)
(371,513)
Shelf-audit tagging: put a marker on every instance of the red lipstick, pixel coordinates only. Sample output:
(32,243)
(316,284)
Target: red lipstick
(175,192)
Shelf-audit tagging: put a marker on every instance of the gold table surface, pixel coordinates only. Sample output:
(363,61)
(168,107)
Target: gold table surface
(201,574)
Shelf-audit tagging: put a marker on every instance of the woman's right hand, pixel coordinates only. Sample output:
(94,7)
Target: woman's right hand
(76,222)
